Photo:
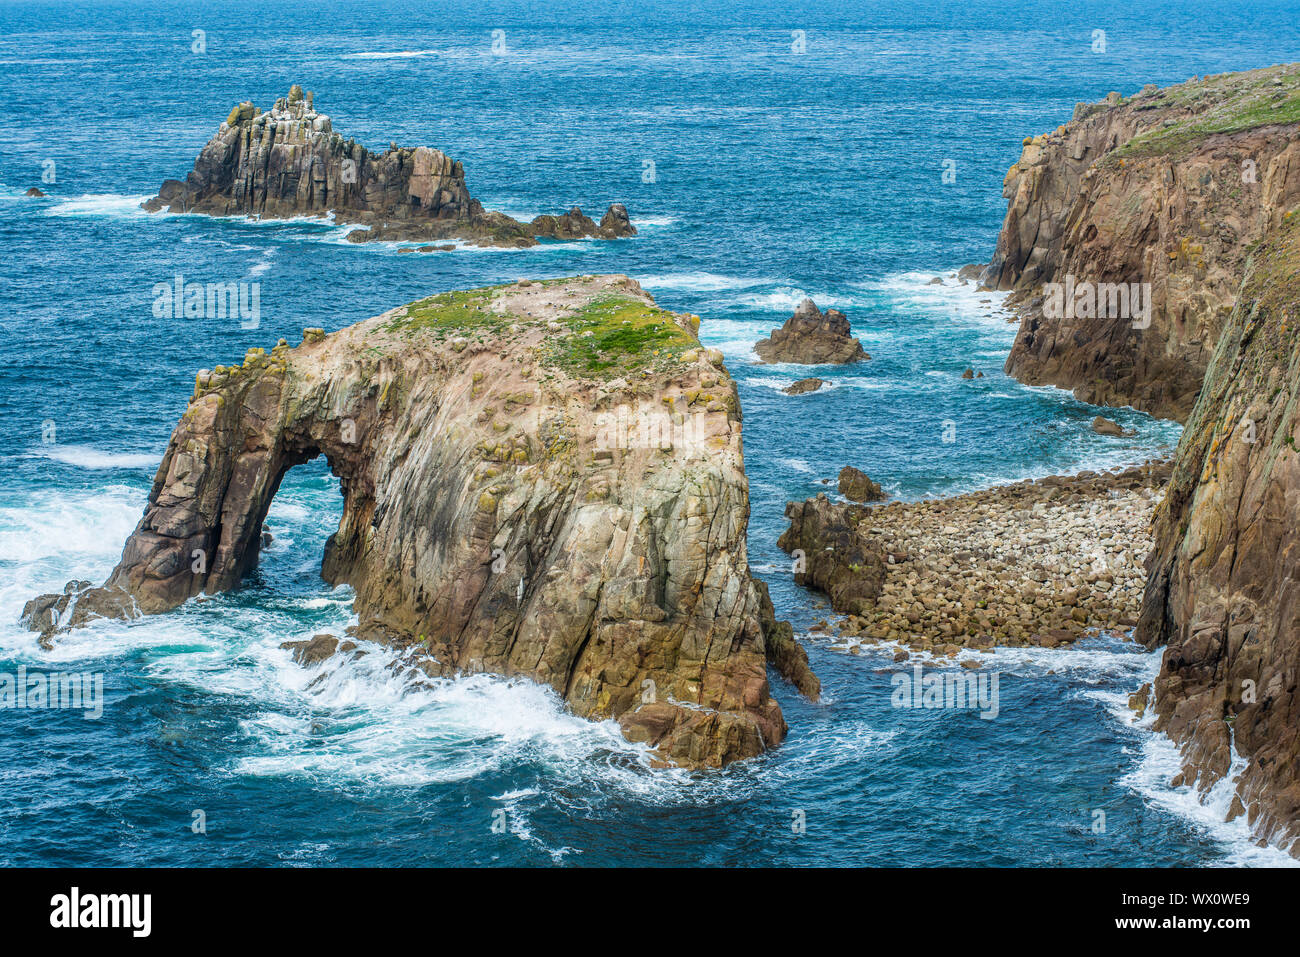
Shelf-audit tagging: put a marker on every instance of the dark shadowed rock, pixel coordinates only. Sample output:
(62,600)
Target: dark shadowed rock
(34,192)
(811,337)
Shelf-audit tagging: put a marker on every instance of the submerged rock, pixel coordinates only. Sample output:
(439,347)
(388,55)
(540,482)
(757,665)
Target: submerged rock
(1142,211)
(811,337)
(289,162)
(541,479)
(803,386)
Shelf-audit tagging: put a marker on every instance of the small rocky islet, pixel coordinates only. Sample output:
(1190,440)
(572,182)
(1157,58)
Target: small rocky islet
(289,162)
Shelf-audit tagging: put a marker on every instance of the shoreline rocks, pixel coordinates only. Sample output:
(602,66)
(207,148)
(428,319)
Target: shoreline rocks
(541,479)
(288,162)
(1034,563)
(812,337)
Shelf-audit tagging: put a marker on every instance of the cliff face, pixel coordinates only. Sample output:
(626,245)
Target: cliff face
(289,162)
(1223,589)
(541,479)
(1142,210)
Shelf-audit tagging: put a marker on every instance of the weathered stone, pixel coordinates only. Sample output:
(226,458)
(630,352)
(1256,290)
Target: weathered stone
(811,337)
(584,547)
(1222,592)
(857,487)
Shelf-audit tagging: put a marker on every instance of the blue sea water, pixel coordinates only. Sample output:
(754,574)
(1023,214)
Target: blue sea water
(776,174)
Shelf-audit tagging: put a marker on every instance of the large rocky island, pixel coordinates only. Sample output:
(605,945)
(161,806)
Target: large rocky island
(540,479)
(1141,210)
(289,162)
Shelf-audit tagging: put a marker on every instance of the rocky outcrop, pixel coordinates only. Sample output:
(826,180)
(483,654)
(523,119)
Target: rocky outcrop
(540,479)
(34,192)
(803,386)
(1224,590)
(811,337)
(1103,426)
(289,162)
(857,486)
(1036,563)
(1127,230)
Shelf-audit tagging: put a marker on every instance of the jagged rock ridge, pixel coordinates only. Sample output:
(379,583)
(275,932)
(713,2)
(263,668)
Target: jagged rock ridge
(289,162)
(541,479)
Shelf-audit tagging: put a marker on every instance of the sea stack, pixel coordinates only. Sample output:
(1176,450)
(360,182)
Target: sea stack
(289,162)
(812,337)
(540,479)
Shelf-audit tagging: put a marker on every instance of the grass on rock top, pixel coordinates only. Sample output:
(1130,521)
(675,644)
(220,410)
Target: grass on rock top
(606,337)
(1228,104)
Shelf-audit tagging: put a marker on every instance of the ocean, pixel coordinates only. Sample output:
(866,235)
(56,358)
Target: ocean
(766,152)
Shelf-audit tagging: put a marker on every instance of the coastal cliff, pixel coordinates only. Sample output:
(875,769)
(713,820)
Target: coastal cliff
(289,162)
(1140,211)
(541,479)
(1223,590)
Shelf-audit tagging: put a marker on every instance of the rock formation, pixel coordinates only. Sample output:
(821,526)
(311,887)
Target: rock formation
(803,386)
(811,337)
(540,479)
(289,162)
(1139,213)
(34,192)
(857,486)
(1224,577)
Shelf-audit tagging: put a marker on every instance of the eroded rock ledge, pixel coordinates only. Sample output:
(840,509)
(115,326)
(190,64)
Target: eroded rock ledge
(1168,187)
(1224,590)
(1035,563)
(540,479)
(289,162)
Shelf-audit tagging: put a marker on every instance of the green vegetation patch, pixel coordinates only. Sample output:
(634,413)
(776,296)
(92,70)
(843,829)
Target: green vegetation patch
(460,311)
(1225,105)
(616,334)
